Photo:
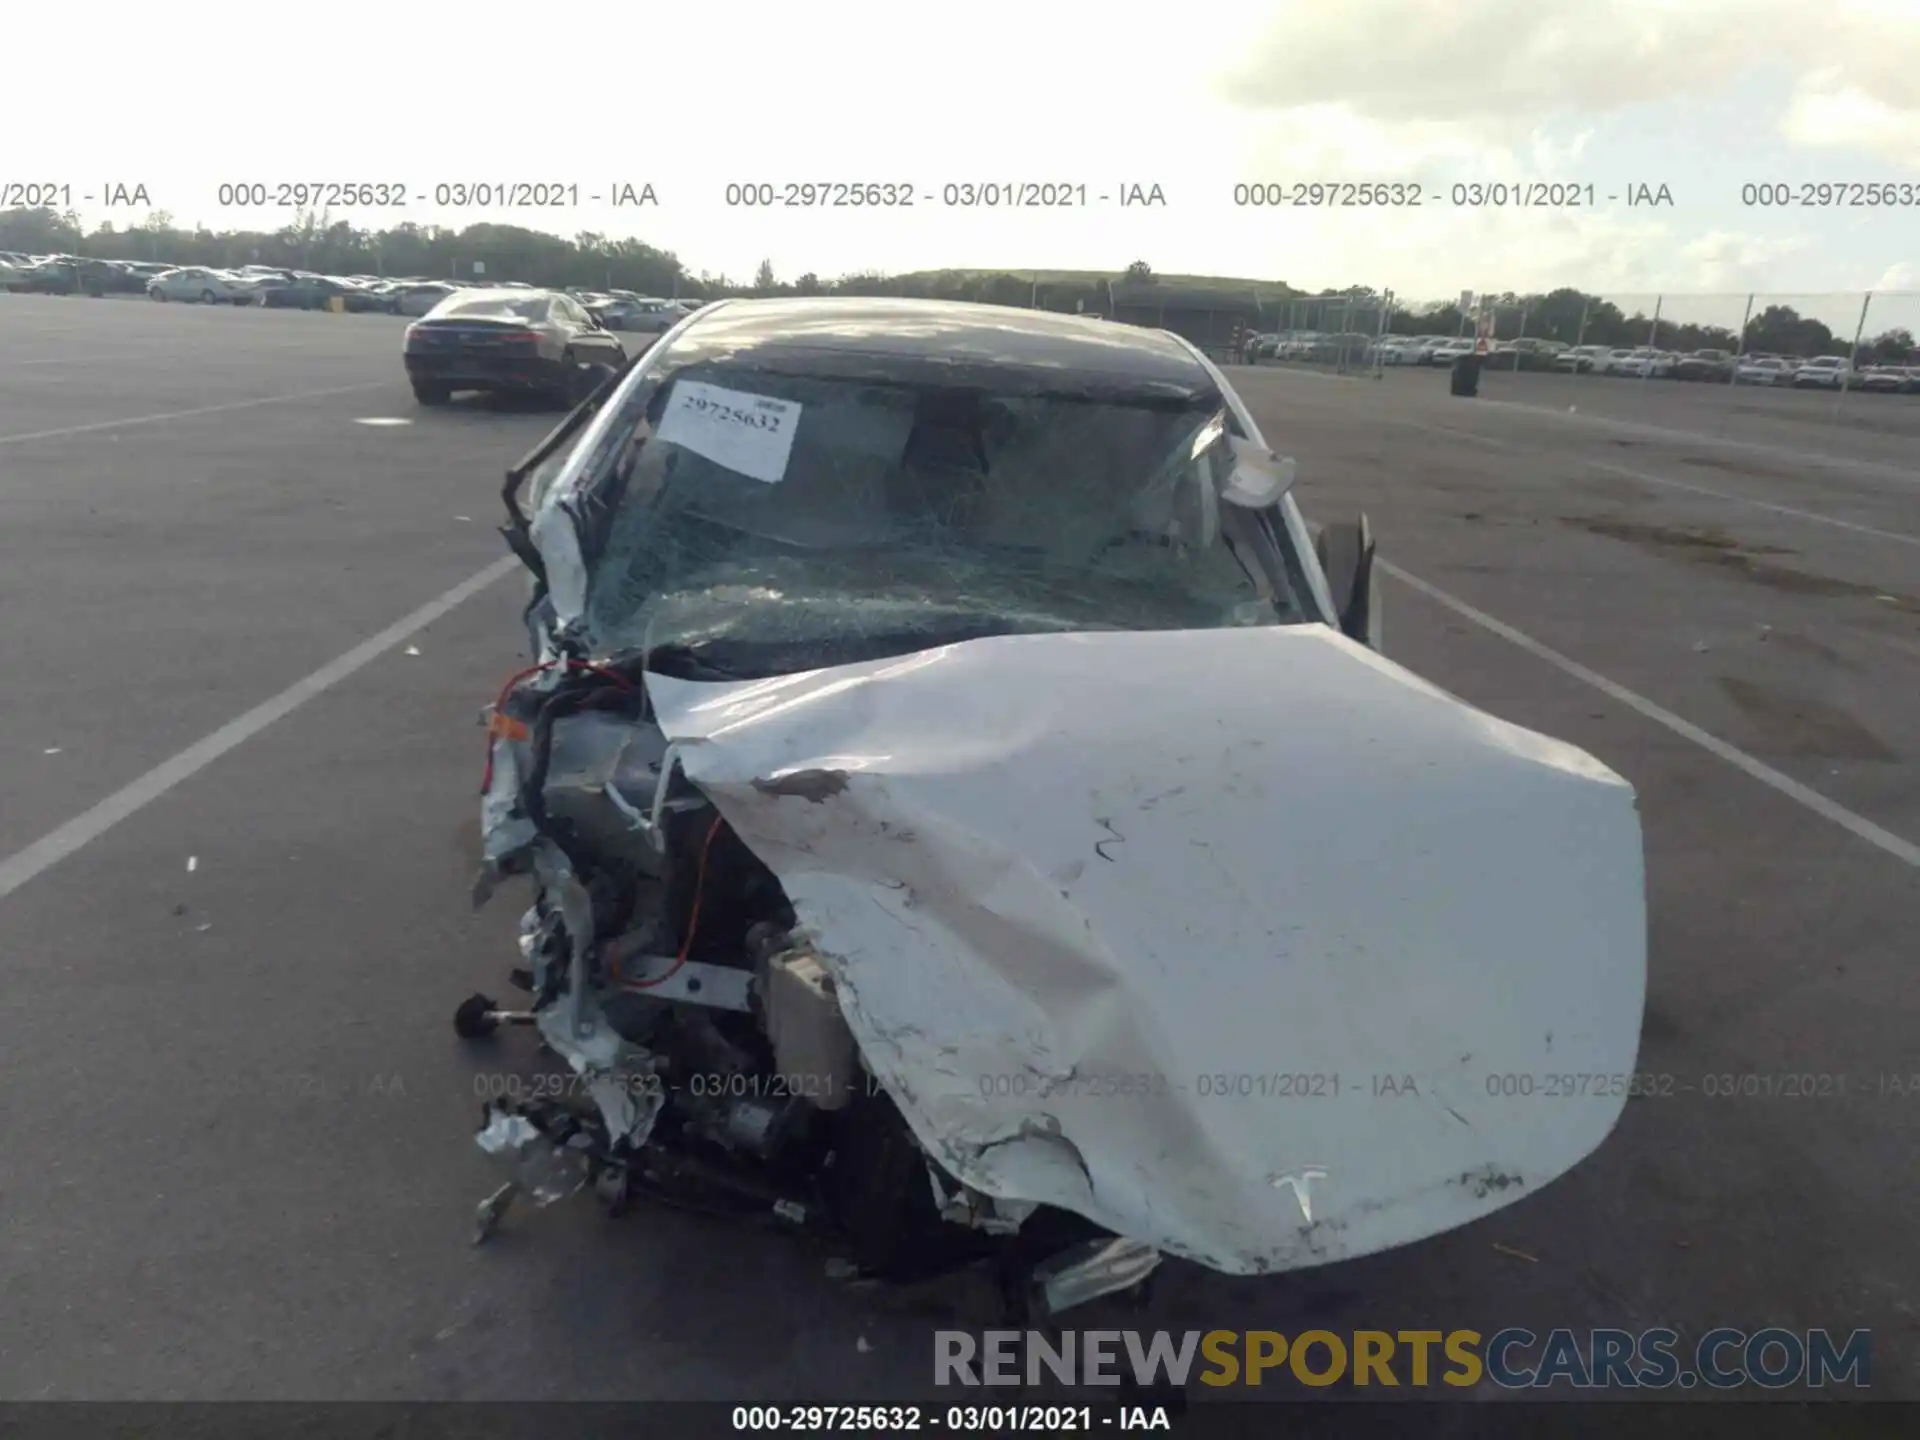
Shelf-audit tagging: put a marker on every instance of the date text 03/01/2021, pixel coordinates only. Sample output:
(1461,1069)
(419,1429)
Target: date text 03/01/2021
(1470,195)
(947,1420)
(900,194)
(1330,1085)
(442,194)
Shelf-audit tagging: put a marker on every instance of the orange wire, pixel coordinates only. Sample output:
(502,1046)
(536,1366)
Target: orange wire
(693,920)
(700,875)
(486,778)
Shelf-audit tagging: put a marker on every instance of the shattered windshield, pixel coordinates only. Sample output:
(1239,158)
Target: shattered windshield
(774,522)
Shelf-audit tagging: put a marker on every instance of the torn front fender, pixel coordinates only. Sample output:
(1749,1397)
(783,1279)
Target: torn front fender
(1246,944)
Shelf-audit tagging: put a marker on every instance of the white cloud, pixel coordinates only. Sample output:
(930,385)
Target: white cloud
(1499,90)
(1486,63)
(1827,114)
(1723,260)
(1499,68)
(1436,91)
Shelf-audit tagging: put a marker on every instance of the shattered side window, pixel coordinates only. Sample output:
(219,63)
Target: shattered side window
(782,509)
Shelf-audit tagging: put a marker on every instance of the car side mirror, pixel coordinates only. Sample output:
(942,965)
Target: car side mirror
(1346,554)
(1258,477)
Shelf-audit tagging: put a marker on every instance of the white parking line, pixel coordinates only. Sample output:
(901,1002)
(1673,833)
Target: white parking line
(1857,825)
(50,849)
(71,360)
(1907,474)
(182,414)
(1647,477)
(1642,475)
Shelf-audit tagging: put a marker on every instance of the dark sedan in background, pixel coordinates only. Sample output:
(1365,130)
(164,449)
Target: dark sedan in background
(1705,365)
(509,341)
(296,291)
(71,275)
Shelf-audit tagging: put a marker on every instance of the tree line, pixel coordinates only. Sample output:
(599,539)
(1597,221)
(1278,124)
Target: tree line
(1575,318)
(315,241)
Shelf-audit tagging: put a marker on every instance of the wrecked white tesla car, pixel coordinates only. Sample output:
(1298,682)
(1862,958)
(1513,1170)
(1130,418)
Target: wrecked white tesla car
(967,810)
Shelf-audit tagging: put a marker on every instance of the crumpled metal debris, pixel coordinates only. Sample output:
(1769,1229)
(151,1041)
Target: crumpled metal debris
(544,1172)
(1099,1267)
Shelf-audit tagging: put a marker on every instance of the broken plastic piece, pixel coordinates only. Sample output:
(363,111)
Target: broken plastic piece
(1086,1272)
(547,1172)
(487,1215)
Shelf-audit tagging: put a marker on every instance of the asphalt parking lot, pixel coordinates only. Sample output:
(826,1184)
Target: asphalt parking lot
(1862,425)
(239,1121)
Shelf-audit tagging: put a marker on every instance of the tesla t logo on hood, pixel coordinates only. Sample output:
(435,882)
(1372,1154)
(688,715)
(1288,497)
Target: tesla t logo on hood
(1301,1183)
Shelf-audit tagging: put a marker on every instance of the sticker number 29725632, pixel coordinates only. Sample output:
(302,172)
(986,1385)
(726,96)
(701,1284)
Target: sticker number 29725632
(749,434)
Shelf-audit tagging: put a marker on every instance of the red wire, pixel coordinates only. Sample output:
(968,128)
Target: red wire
(700,875)
(693,920)
(486,777)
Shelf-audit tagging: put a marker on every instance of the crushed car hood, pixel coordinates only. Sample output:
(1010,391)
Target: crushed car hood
(1244,943)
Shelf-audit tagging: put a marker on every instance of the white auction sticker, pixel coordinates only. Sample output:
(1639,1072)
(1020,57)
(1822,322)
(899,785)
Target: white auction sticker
(751,435)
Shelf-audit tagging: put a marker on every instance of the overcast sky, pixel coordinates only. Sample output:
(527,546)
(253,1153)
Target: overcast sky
(1698,96)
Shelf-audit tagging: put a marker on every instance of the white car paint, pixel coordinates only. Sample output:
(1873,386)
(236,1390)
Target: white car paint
(1830,372)
(194,282)
(418,300)
(1762,371)
(1588,356)
(1639,362)
(1144,924)
(642,315)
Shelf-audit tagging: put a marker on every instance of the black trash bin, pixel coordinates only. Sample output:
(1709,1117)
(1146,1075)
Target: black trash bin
(1466,376)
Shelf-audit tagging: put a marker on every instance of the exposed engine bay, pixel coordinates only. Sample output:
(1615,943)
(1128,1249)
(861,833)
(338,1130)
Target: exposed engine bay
(716,1070)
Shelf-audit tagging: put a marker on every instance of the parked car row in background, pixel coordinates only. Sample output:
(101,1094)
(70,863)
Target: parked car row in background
(73,275)
(273,287)
(1824,372)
